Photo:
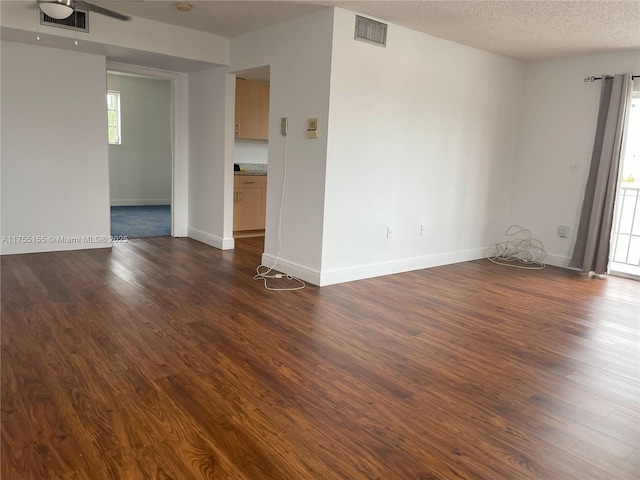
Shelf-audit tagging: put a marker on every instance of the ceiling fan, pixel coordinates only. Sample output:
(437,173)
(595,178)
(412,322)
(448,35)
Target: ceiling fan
(60,9)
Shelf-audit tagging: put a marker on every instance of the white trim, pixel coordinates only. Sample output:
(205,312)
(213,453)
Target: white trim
(229,153)
(307,274)
(180,143)
(333,276)
(211,240)
(629,276)
(341,275)
(16,249)
(137,202)
(557,260)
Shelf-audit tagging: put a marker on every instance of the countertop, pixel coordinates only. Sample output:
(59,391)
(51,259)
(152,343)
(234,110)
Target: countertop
(251,169)
(248,172)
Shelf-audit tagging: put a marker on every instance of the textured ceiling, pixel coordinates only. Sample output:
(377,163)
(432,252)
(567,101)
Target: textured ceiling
(526,30)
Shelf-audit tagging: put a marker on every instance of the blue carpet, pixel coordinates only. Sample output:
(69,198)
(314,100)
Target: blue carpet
(141,222)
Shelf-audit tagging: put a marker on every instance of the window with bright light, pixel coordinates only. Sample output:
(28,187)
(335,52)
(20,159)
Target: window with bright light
(113,117)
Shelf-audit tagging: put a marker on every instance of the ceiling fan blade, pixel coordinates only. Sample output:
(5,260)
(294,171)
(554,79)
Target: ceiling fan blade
(103,11)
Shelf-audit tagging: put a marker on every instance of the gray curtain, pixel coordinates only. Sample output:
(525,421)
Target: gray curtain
(591,251)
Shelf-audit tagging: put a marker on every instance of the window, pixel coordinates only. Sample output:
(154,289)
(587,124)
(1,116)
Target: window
(113,117)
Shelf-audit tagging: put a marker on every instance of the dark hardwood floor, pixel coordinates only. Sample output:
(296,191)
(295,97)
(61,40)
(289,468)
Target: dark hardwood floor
(164,359)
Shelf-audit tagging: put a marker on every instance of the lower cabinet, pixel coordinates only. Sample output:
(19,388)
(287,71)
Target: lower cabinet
(249,204)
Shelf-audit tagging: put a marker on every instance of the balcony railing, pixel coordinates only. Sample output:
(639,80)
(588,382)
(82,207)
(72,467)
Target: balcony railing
(625,238)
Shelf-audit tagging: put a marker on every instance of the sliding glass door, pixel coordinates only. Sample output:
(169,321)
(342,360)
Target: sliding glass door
(625,239)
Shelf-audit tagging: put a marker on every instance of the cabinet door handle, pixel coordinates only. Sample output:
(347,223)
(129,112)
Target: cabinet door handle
(237,129)
(239,196)
(248,183)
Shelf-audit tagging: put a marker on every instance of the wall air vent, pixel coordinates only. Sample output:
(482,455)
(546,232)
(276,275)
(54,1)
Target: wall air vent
(370,31)
(78,21)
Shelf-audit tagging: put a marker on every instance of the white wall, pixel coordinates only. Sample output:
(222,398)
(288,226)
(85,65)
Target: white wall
(139,44)
(54,149)
(211,136)
(140,41)
(424,131)
(420,132)
(140,167)
(558,127)
(299,55)
(251,151)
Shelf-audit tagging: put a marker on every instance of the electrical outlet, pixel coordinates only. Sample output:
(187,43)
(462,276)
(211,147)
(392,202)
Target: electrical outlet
(563,231)
(284,126)
(389,232)
(422,228)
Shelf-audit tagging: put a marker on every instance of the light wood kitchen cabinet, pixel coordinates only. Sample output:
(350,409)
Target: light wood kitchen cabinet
(252,109)
(249,204)
(264,111)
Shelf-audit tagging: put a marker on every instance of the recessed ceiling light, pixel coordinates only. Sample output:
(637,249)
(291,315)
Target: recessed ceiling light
(184,6)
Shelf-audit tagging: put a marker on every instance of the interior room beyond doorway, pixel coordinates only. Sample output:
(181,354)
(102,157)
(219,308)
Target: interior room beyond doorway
(140,155)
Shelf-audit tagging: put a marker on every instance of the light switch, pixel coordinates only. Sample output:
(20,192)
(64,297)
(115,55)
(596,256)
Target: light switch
(312,128)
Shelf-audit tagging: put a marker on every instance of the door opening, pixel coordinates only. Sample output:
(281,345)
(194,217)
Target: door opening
(139,112)
(625,239)
(251,152)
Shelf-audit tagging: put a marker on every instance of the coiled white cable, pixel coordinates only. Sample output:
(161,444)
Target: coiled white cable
(522,251)
(264,275)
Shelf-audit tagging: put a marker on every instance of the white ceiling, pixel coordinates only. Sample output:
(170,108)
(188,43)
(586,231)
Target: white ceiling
(527,30)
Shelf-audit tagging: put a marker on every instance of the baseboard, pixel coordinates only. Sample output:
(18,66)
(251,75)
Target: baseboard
(212,240)
(140,202)
(557,260)
(62,244)
(181,232)
(333,276)
(341,275)
(552,259)
(306,274)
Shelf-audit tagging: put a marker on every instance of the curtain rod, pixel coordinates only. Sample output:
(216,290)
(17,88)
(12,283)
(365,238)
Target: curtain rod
(593,79)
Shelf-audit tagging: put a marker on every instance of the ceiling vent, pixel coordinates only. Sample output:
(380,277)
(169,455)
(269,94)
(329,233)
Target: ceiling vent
(370,31)
(78,21)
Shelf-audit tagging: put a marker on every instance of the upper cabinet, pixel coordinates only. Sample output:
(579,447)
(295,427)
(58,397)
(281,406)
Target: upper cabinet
(252,109)
(264,111)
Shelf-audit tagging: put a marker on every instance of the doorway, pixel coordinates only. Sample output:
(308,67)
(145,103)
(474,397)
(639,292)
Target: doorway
(140,154)
(251,152)
(625,239)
